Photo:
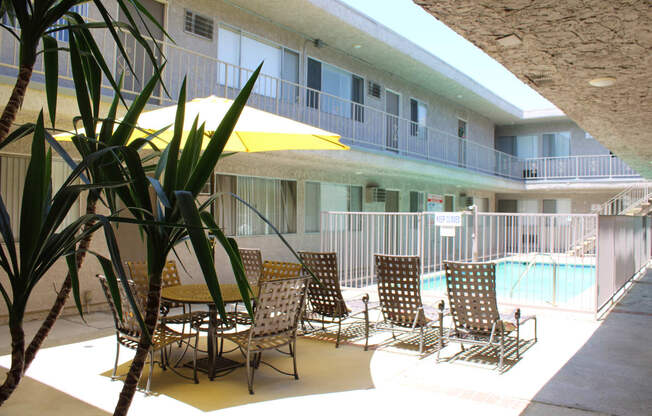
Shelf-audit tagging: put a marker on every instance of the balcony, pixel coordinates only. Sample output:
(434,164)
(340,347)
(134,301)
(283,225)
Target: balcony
(361,126)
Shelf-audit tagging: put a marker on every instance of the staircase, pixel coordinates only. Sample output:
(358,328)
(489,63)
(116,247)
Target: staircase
(635,200)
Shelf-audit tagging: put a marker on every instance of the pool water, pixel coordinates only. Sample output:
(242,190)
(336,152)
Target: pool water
(536,285)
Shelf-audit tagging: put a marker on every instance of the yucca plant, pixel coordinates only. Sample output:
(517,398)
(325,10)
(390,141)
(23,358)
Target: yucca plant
(34,23)
(26,259)
(31,23)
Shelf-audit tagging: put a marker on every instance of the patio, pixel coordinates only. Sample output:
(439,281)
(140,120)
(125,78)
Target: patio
(579,367)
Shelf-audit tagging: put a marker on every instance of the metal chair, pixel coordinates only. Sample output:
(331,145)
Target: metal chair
(399,292)
(278,270)
(252,260)
(327,305)
(128,332)
(278,308)
(476,320)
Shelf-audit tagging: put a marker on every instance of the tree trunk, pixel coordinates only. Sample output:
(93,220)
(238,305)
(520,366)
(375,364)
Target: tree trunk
(15,100)
(64,293)
(17,360)
(137,364)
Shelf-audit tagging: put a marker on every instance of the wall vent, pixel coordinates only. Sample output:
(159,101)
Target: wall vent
(374,89)
(375,194)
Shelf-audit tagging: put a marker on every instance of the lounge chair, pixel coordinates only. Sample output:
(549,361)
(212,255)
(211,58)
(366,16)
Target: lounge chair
(276,316)
(399,293)
(327,305)
(475,318)
(128,332)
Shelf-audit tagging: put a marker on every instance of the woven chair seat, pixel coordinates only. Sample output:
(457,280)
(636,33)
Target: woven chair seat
(273,341)
(163,336)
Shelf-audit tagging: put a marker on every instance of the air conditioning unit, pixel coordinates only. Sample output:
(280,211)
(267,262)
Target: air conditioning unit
(374,89)
(468,201)
(375,194)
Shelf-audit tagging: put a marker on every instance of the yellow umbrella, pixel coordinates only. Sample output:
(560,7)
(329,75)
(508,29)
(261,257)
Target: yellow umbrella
(255,131)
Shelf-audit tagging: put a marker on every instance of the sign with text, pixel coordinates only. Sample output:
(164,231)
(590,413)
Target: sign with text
(448,219)
(435,203)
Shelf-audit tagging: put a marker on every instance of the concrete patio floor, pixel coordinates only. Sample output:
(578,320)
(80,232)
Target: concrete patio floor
(580,366)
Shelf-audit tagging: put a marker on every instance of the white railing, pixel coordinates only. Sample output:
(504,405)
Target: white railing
(576,167)
(360,125)
(626,200)
(513,241)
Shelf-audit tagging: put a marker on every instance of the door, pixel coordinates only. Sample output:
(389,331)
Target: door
(140,60)
(392,102)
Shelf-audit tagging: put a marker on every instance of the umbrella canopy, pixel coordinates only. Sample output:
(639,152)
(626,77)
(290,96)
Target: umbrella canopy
(255,131)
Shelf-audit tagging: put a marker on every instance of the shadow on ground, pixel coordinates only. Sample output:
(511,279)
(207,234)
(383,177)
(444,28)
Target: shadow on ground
(612,372)
(322,369)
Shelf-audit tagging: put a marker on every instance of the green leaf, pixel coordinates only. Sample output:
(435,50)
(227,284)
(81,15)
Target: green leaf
(211,155)
(74,279)
(231,248)
(51,68)
(186,204)
(123,132)
(81,87)
(170,163)
(31,213)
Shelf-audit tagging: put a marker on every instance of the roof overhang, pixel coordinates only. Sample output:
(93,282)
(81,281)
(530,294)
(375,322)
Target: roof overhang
(561,47)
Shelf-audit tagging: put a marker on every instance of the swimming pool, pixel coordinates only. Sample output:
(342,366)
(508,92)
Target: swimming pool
(515,282)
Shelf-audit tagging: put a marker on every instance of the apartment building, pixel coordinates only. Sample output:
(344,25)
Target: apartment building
(423,136)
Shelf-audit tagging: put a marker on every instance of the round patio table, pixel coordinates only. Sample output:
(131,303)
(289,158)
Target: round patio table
(199,294)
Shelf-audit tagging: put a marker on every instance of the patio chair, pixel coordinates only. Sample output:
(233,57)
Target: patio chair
(128,333)
(169,277)
(279,270)
(252,260)
(276,318)
(327,305)
(399,293)
(475,318)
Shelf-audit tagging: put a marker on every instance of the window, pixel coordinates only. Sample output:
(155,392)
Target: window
(198,24)
(557,206)
(62,35)
(507,205)
(556,144)
(449,203)
(506,144)
(461,129)
(418,116)
(236,49)
(345,90)
(417,201)
(13,171)
(275,199)
(322,197)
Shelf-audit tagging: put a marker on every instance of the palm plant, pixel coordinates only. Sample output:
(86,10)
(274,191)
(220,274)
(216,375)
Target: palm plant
(39,243)
(37,22)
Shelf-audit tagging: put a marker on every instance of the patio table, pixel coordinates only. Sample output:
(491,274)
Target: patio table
(198,294)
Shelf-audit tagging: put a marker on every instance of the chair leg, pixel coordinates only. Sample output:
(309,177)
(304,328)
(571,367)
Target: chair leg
(366,325)
(421,340)
(250,373)
(115,364)
(151,369)
(518,334)
(294,358)
(339,330)
(535,329)
(194,359)
(502,350)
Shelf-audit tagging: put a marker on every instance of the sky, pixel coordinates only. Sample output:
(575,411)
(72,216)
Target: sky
(412,22)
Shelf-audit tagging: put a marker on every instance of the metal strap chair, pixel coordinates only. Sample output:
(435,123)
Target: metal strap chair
(278,308)
(326,303)
(128,332)
(475,317)
(399,292)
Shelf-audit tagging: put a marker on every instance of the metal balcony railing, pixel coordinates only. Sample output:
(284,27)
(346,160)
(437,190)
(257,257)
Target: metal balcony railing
(361,125)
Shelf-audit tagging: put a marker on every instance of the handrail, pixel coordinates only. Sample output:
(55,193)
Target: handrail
(529,266)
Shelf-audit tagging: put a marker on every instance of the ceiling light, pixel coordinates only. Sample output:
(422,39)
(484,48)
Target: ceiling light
(357,46)
(603,81)
(509,41)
